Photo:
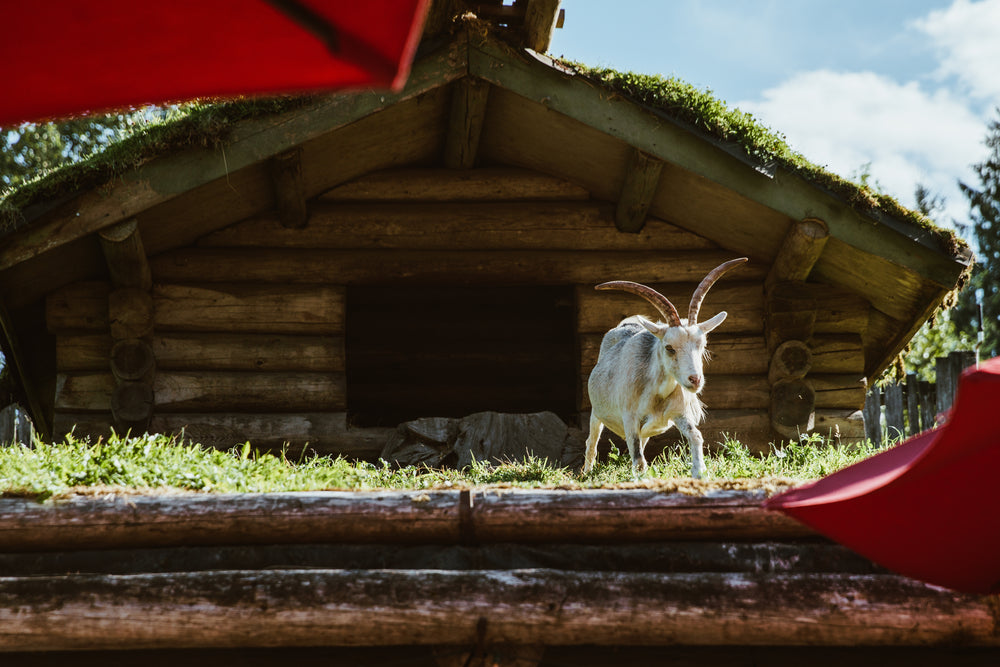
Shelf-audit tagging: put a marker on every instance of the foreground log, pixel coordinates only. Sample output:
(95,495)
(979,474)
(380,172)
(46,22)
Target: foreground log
(550,607)
(634,515)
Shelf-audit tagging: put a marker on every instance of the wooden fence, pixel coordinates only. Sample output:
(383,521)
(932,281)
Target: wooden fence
(914,405)
(15,425)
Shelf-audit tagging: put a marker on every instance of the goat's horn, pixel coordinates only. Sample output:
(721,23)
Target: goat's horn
(661,302)
(706,284)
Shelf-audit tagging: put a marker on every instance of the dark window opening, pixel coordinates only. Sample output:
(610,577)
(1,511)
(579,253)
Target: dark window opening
(448,352)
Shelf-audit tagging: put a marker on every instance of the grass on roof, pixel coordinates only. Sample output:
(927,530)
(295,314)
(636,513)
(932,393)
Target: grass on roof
(164,463)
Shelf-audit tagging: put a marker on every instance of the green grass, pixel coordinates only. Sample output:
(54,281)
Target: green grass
(158,463)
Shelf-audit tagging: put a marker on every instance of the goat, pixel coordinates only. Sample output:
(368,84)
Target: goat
(649,374)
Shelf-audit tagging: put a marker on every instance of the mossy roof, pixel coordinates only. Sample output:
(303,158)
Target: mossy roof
(207,123)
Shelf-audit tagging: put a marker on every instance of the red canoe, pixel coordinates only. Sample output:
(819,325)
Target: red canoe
(928,508)
(67,57)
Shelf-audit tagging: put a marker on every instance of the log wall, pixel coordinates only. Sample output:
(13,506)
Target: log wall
(252,319)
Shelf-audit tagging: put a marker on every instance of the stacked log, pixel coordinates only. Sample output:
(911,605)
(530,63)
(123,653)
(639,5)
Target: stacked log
(483,570)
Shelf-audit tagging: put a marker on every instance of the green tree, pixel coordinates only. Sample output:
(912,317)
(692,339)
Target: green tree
(33,149)
(984,230)
(938,336)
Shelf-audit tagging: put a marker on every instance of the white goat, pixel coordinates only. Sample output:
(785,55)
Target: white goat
(649,374)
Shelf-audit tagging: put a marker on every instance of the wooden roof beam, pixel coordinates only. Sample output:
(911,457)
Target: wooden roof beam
(799,251)
(540,19)
(468,112)
(642,176)
(125,255)
(290,204)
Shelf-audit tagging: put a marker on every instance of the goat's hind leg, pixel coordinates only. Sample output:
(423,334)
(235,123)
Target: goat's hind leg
(696,441)
(596,426)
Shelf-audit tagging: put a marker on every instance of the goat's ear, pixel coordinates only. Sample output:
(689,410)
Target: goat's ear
(708,325)
(652,327)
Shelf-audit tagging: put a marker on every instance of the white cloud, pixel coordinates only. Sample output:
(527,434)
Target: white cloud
(845,120)
(966,36)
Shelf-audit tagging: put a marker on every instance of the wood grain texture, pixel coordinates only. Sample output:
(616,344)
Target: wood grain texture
(548,225)
(436,267)
(493,184)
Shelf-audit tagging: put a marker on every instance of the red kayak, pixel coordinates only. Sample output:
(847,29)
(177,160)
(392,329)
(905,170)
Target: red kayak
(928,508)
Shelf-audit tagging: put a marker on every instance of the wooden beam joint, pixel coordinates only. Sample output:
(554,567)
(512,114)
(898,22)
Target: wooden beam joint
(642,176)
(801,248)
(125,255)
(468,113)
(289,189)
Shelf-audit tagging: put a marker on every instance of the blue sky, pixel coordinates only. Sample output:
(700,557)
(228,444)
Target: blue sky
(905,85)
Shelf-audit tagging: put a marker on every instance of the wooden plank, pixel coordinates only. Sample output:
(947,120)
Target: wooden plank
(353,607)
(160,180)
(642,177)
(368,517)
(873,416)
(838,391)
(234,308)
(294,434)
(249,352)
(218,391)
(494,184)
(729,354)
(801,247)
(895,429)
(469,98)
(130,313)
(838,353)
(289,189)
(126,256)
(212,351)
(913,405)
(250,308)
(458,226)
(843,425)
(600,311)
(78,306)
(437,267)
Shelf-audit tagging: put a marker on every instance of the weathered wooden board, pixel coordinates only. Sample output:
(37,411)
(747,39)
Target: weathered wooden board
(219,307)
(838,391)
(211,351)
(492,184)
(321,433)
(837,353)
(433,516)
(556,225)
(743,301)
(212,391)
(730,354)
(536,606)
(437,267)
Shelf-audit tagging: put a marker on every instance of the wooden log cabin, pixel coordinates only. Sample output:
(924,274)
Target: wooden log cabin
(321,273)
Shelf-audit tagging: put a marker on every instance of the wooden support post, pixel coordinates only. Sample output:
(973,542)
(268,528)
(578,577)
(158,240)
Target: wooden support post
(642,177)
(799,251)
(873,416)
(793,407)
(289,189)
(540,20)
(468,112)
(125,255)
(894,411)
(913,405)
(792,360)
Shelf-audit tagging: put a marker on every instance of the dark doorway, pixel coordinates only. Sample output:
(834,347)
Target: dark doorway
(451,351)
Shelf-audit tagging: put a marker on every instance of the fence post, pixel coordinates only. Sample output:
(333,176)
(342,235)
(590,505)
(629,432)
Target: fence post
(944,383)
(912,404)
(873,417)
(894,412)
(8,425)
(928,401)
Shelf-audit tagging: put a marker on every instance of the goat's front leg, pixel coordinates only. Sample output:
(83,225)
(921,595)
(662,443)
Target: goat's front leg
(635,447)
(596,426)
(693,436)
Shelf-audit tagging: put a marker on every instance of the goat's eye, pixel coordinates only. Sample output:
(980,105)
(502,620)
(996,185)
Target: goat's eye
(670,350)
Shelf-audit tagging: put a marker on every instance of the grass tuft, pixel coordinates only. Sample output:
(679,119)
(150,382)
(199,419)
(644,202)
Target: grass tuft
(154,463)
